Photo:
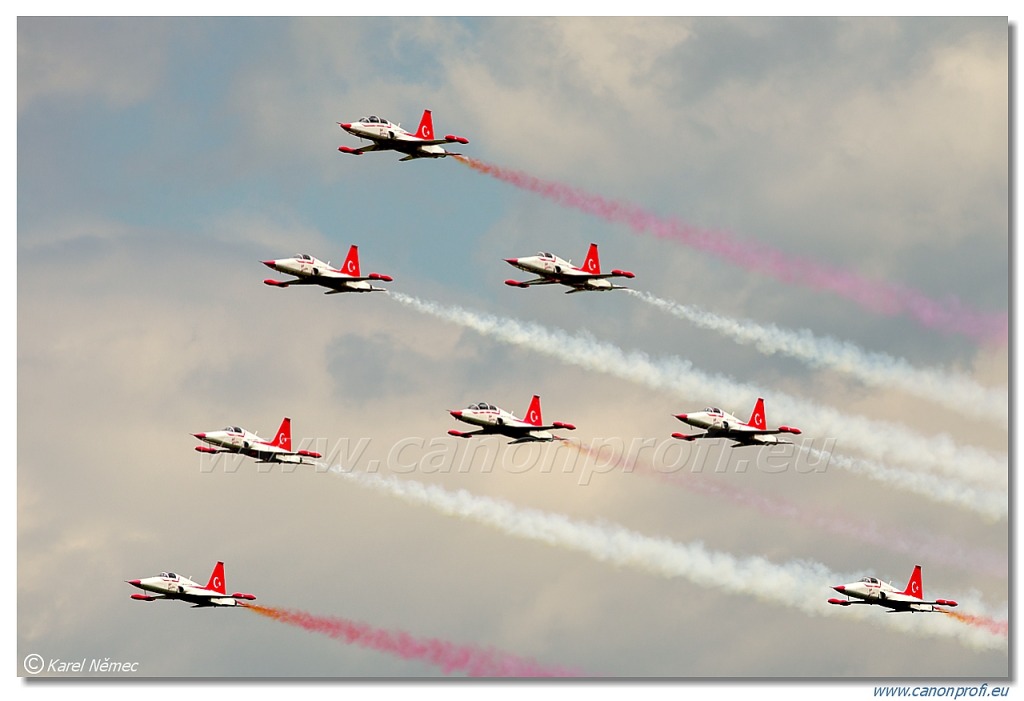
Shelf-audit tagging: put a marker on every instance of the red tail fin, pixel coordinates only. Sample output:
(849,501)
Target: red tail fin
(426,128)
(216,582)
(915,587)
(533,413)
(351,266)
(592,264)
(283,439)
(757,419)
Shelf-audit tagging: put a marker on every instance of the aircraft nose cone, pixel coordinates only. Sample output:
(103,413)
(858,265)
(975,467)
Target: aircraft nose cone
(199,435)
(681,417)
(134,582)
(345,125)
(839,588)
(269,263)
(511,261)
(457,414)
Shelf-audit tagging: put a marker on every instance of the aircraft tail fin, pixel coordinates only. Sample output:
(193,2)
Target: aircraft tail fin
(426,128)
(915,587)
(592,264)
(533,413)
(283,437)
(216,582)
(757,419)
(351,265)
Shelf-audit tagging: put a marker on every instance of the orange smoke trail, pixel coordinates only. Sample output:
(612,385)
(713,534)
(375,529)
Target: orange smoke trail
(916,544)
(450,657)
(992,625)
(949,315)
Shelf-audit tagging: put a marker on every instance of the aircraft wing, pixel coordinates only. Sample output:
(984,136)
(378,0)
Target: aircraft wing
(507,429)
(295,457)
(199,597)
(745,431)
(219,600)
(539,281)
(201,593)
(575,276)
(337,279)
(338,284)
(752,439)
(523,428)
(364,149)
(413,139)
(902,600)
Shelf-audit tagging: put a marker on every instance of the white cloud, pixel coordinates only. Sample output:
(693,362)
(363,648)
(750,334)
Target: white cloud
(119,61)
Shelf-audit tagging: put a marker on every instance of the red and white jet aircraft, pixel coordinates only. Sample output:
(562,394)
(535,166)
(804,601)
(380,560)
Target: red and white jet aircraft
(392,137)
(721,424)
(554,270)
(237,440)
(171,586)
(498,421)
(313,271)
(872,591)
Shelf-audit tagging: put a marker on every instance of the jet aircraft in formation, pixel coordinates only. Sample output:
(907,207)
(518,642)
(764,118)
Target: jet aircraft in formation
(168,585)
(493,420)
(554,270)
(234,439)
(722,424)
(870,590)
(313,271)
(387,136)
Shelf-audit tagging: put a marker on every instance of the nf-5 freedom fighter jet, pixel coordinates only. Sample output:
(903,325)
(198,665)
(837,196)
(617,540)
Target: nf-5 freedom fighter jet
(313,271)
(171,586)
(237,440)
(721,424)
(498,421)
(391,137)
(554,270)
(872,591)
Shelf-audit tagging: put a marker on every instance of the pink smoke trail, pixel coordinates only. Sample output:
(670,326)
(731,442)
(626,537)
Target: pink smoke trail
(938,549)
(450,657)
(949,315)
(992,625)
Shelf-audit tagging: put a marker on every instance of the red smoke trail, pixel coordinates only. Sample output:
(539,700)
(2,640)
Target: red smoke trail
(450,657)
(949,315)
(938,549)
(990,624)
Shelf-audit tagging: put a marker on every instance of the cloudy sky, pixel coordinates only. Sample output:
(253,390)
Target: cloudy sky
(783,175)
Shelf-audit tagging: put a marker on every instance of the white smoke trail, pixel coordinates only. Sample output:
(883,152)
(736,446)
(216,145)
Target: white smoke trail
(930,545)
(878,439)
(949,389)
(801,585)
(991,504)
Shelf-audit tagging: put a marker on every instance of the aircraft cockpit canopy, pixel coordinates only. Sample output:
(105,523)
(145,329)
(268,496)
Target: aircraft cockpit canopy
(233,429)
(712,410)
(303,256)
(483,406)
(545,254)
(168,575)
(373,120)
(869,580)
